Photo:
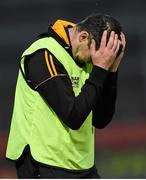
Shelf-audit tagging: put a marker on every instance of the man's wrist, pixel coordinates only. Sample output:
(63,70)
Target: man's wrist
(111,80)
(98,76)
(114,70)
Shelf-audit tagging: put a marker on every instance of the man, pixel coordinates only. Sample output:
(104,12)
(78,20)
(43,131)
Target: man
(66,88)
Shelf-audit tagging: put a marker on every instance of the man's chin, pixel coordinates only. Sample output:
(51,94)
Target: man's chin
(82,61)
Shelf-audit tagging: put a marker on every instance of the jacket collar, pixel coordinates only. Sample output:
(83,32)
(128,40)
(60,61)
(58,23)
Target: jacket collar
(61,28)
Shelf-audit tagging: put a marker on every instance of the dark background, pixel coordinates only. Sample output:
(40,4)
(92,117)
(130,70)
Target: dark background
(120,146)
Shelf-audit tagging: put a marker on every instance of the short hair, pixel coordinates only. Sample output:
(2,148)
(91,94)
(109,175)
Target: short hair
(95,24)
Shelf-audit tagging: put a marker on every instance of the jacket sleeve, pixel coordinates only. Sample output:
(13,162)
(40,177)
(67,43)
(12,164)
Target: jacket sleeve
(55,87)
(105,107)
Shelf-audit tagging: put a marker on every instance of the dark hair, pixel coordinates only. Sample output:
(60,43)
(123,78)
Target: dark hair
(95,24)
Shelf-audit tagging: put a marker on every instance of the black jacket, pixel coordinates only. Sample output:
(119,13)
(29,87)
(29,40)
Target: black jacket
(97,94)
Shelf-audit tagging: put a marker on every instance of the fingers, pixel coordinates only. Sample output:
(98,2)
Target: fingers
(118,47)
(111,40)
(123,40)
(123,43)
(115,43)
(103,39)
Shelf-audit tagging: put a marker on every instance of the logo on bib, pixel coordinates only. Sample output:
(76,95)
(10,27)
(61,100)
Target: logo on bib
(75,81)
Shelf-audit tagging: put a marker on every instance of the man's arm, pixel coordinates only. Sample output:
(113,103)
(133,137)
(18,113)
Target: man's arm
(103,110)
(105,107)
(57,90)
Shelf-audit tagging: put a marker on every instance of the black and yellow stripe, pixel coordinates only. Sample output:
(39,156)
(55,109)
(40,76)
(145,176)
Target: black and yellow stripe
(51,69)
(50,64)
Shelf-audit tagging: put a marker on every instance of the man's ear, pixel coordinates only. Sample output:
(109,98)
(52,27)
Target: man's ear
(83,36)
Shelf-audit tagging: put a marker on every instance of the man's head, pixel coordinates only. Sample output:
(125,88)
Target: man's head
(91,28)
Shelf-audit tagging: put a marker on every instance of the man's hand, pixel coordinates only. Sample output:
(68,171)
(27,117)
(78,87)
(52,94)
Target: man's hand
(116,63)
(105,56)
